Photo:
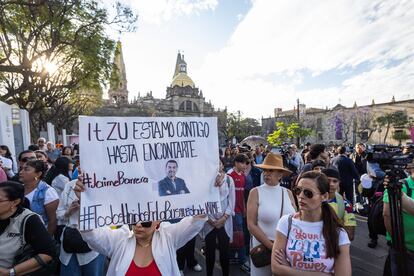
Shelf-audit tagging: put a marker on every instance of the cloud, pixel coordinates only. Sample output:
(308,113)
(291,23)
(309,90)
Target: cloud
(160,11)
(285,38)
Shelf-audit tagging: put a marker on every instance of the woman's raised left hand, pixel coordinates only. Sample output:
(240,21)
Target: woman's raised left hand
(219,179)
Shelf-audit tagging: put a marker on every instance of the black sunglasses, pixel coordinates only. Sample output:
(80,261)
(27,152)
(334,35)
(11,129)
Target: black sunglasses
(146,224)
(306,192)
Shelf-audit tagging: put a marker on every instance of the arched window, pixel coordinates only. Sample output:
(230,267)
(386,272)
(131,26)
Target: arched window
(182,106)
(189,106)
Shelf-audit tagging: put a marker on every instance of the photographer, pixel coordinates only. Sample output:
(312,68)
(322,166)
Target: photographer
(408,223)
(294,158)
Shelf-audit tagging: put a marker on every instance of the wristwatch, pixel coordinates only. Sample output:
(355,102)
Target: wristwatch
(12,272)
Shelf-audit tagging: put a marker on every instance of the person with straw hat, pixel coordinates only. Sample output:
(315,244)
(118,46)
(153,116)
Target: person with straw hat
(266,205)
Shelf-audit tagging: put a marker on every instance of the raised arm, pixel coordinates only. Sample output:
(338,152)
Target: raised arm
(185,230)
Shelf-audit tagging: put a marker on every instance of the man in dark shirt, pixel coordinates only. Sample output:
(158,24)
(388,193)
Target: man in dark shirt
(347,173)
(172,185)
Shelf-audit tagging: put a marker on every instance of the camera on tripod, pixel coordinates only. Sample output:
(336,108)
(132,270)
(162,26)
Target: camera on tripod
(391,160)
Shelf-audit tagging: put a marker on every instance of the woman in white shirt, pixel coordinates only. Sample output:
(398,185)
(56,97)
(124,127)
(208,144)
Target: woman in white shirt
(43,199)
(149,249)
(220,226)
(311,242)
(79,262)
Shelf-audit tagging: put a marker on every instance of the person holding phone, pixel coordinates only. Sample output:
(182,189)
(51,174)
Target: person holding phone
(149,249)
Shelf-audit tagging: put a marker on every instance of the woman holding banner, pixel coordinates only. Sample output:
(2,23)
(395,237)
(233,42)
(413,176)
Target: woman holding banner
(76,257)
(149,249)
(220,226)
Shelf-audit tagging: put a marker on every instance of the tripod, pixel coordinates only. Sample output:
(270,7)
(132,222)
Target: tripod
(397,235)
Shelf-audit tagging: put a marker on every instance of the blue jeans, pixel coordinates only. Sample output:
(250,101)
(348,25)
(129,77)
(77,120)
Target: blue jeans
(241,253)
(94,268)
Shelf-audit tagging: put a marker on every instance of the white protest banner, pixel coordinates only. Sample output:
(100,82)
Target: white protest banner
(147,168)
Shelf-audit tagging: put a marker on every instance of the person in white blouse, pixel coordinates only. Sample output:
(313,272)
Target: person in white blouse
(87,263)
(266,205)
(220,226)
(61,173)
(149,249)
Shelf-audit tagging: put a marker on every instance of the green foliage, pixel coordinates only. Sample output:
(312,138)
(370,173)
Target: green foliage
(400,136)
(396,119)
(284,132)
(239,127)
(70,36)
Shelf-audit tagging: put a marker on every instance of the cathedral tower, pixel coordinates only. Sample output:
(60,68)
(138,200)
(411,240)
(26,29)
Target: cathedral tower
(118,92)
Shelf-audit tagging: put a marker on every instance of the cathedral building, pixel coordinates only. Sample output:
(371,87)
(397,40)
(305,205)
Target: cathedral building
(182,97)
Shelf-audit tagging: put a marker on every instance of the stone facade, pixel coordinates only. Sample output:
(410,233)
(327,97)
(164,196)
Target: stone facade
(182,99)
(342,124)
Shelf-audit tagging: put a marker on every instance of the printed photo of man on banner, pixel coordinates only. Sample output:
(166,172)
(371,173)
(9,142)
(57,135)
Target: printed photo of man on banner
(138,169)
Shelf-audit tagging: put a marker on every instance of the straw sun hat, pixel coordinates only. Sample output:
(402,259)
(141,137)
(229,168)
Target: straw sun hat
(274,162)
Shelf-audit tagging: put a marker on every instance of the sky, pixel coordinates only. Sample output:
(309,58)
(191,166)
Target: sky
(257,55)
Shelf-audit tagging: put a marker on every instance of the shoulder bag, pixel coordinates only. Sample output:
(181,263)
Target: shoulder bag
(260,254)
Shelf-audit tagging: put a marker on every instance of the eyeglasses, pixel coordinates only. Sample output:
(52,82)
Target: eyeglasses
(308,193)
(25,159)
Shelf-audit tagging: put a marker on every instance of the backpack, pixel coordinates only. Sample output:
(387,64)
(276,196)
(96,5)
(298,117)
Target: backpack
(376,218)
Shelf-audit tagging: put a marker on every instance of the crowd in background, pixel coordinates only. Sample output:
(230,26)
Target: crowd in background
(298,204)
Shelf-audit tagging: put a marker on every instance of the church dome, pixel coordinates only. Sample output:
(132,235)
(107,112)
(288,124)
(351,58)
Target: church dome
(182,80)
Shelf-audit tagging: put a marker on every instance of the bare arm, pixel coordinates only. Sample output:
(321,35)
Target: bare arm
(408,204)
(387,217)
(252,210)
(30,265)
(279,265)
(51,215)
(342,265)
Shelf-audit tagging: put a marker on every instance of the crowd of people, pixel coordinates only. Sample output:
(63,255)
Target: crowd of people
(284,212)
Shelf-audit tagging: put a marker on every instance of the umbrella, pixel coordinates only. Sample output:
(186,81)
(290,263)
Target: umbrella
(254,140)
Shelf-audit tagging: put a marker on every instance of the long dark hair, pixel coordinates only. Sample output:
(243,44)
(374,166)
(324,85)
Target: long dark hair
(8,153)
(61,167)
(331,223)
(13,191)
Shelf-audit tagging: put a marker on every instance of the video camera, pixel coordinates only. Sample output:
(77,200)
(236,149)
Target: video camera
(391,160)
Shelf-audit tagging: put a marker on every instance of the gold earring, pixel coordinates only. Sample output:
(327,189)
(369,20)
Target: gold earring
(36,178)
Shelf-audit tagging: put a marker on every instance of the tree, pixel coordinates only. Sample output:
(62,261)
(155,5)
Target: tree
(365,119)
(284,132)
(400,136)
(396,119)
(239,127)
(56,51)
